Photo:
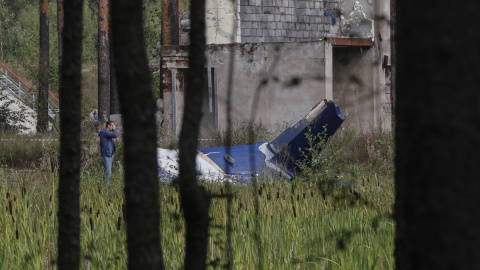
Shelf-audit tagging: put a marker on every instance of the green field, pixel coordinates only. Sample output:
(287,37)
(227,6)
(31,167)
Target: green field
(312,224)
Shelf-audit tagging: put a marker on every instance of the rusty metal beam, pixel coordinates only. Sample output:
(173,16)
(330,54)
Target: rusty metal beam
(361,42)
(165,41)
(166,24)
(171,22)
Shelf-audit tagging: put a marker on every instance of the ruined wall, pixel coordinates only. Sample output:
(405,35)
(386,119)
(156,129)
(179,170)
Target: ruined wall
(353,85)
(333,6)
(361,77)
(175,63)
(221,17)
(282,20)
(273,83)
(350,69)
(361,74)
(383,64)
(256,21)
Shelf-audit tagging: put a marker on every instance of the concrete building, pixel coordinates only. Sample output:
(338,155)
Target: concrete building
(287,56)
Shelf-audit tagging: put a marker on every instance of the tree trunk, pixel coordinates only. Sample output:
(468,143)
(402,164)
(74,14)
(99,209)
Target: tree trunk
(140,137)
(437,142)
(70,150)
(60,25)
(103,63)
(194,198)
(42,112)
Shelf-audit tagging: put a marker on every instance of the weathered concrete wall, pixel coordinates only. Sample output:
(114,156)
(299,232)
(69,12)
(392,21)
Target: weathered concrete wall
(361,79)
(262,81)
(220,16)
(352,71)
(353,85)
(347,6)
(382,68)
(355,23)
(175,63)
(267,20)
(282,20)
(256,21)
(333,6)
(273,83)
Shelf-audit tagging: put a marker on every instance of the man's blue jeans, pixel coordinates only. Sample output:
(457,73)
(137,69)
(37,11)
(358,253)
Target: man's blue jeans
(107,166)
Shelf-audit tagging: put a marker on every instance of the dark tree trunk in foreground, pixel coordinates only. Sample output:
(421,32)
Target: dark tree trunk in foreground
(393,22)
(174,14)
(194,198)
(43,75)
(437,139)
(138,108)
(114,102)
(103,63)
(70,150)
(60,25)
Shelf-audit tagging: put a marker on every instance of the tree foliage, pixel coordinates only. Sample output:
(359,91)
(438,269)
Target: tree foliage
(19,30)
(11,120)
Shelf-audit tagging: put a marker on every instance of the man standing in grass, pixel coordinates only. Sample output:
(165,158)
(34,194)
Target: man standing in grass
(107,148)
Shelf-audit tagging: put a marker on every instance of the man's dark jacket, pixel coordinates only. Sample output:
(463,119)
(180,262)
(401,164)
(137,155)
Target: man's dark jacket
(107,145)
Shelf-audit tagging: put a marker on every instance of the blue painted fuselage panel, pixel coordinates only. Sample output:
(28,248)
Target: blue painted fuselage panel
(247,159)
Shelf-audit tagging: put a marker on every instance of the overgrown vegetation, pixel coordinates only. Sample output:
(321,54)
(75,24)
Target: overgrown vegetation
(11,120)
(315,223)
(349,156)
(19,22)
(336,214)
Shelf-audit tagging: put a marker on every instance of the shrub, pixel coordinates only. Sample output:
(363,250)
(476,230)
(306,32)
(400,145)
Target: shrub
(350,156)
(11,120)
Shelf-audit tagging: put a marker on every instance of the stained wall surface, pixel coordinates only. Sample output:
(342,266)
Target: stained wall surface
(277,42)
(267,20)
(272,83)
(221,21)
(353,87)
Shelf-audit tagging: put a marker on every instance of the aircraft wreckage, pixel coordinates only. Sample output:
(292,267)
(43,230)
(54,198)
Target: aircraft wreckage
(280,156)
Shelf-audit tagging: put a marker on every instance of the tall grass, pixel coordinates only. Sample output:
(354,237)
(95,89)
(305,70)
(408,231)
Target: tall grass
(300,226)
(299,229)
(29,152)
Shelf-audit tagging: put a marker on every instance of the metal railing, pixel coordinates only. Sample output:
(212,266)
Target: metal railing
(20,90)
